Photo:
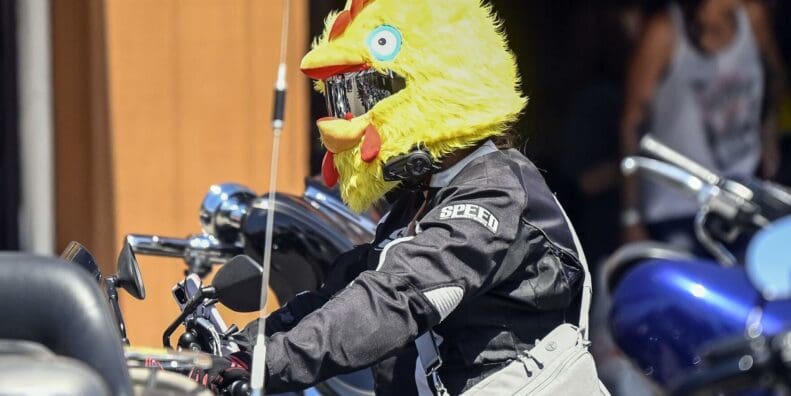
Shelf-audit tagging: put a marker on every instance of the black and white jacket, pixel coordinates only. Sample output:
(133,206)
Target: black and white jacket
(490,267)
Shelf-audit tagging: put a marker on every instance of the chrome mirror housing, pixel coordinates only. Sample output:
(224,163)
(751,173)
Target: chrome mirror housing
(222,210)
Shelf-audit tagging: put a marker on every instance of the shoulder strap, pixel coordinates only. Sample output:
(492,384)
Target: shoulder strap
(587,285)
(428,347)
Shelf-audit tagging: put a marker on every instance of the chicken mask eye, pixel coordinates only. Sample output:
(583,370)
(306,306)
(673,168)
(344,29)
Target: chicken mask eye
(385,43)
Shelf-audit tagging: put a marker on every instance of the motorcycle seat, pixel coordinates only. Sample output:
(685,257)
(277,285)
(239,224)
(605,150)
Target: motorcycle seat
(36,371)
(24,348)
(616,266)
(58,304)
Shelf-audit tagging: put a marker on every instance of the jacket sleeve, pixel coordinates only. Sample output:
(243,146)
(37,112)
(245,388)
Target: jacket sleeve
(456,255)
(344,269)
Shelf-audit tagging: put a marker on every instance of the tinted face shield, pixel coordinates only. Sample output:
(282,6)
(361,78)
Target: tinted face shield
(358,92)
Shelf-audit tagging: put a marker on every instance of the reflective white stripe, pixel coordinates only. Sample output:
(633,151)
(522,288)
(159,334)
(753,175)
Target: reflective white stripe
(587,284)
(387,249)
(445,299)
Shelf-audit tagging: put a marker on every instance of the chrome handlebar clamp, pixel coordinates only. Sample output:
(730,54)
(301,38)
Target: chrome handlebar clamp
(221,214)
(222,210)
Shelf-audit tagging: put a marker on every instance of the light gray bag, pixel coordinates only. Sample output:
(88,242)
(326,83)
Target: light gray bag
(559,364)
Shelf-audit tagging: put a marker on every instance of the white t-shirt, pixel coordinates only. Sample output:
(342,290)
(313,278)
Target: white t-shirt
(708,107)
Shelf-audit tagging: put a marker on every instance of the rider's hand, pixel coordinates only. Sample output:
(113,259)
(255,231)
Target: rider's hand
(225,371)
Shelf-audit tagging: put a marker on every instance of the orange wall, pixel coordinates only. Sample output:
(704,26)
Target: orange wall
(189,94)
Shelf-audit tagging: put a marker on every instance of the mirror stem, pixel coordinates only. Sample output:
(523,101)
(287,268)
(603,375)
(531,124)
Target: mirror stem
(192,305)
(112,294)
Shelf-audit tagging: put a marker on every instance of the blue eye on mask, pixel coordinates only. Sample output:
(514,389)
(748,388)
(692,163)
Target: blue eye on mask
(385,43)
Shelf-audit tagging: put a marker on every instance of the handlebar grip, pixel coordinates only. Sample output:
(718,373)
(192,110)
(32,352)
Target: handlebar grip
(239,388)
(656,149)
(153,245)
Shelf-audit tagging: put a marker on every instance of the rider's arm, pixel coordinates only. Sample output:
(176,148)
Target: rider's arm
(457,255)
(646,68)
(776,84)
(343,270)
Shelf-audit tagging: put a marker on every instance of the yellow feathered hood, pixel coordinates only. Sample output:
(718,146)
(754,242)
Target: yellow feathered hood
(462,85)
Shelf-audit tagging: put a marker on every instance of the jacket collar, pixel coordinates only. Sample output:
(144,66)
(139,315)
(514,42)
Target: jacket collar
(443,179)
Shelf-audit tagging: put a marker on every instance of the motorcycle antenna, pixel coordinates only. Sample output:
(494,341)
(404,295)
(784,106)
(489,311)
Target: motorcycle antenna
(259,351)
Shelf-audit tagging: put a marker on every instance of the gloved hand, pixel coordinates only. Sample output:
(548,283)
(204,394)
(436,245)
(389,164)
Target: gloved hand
(225,371)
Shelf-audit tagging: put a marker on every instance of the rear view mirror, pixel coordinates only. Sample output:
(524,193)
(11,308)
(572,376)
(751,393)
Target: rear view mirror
(769,261)
(129,277)
(78,254)
(238,284)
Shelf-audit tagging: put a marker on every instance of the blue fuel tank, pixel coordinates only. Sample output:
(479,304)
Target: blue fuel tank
(665,312)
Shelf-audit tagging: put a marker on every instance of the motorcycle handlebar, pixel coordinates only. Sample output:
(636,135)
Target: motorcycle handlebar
(662,152)
(153,245)
(207,247)
(665,172)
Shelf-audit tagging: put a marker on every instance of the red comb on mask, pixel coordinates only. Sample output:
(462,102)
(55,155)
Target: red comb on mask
(346,17)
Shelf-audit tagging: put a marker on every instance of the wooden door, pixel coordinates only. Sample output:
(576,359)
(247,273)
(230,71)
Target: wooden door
(188,96)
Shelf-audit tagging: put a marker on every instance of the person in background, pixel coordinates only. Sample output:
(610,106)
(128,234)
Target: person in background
(704,80)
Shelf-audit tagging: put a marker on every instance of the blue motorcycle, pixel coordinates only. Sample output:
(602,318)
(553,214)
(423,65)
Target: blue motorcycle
(678,317)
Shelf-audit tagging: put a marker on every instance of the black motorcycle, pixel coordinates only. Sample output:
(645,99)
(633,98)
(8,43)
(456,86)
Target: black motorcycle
(64,324)
(309,232)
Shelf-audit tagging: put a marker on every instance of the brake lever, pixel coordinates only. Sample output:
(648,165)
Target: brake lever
(656,149)
(230,332)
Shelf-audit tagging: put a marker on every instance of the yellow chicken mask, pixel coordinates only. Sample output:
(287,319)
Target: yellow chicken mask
(450,82)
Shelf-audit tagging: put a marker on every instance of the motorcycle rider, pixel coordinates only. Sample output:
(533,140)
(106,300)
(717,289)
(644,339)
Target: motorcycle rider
(475,250)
